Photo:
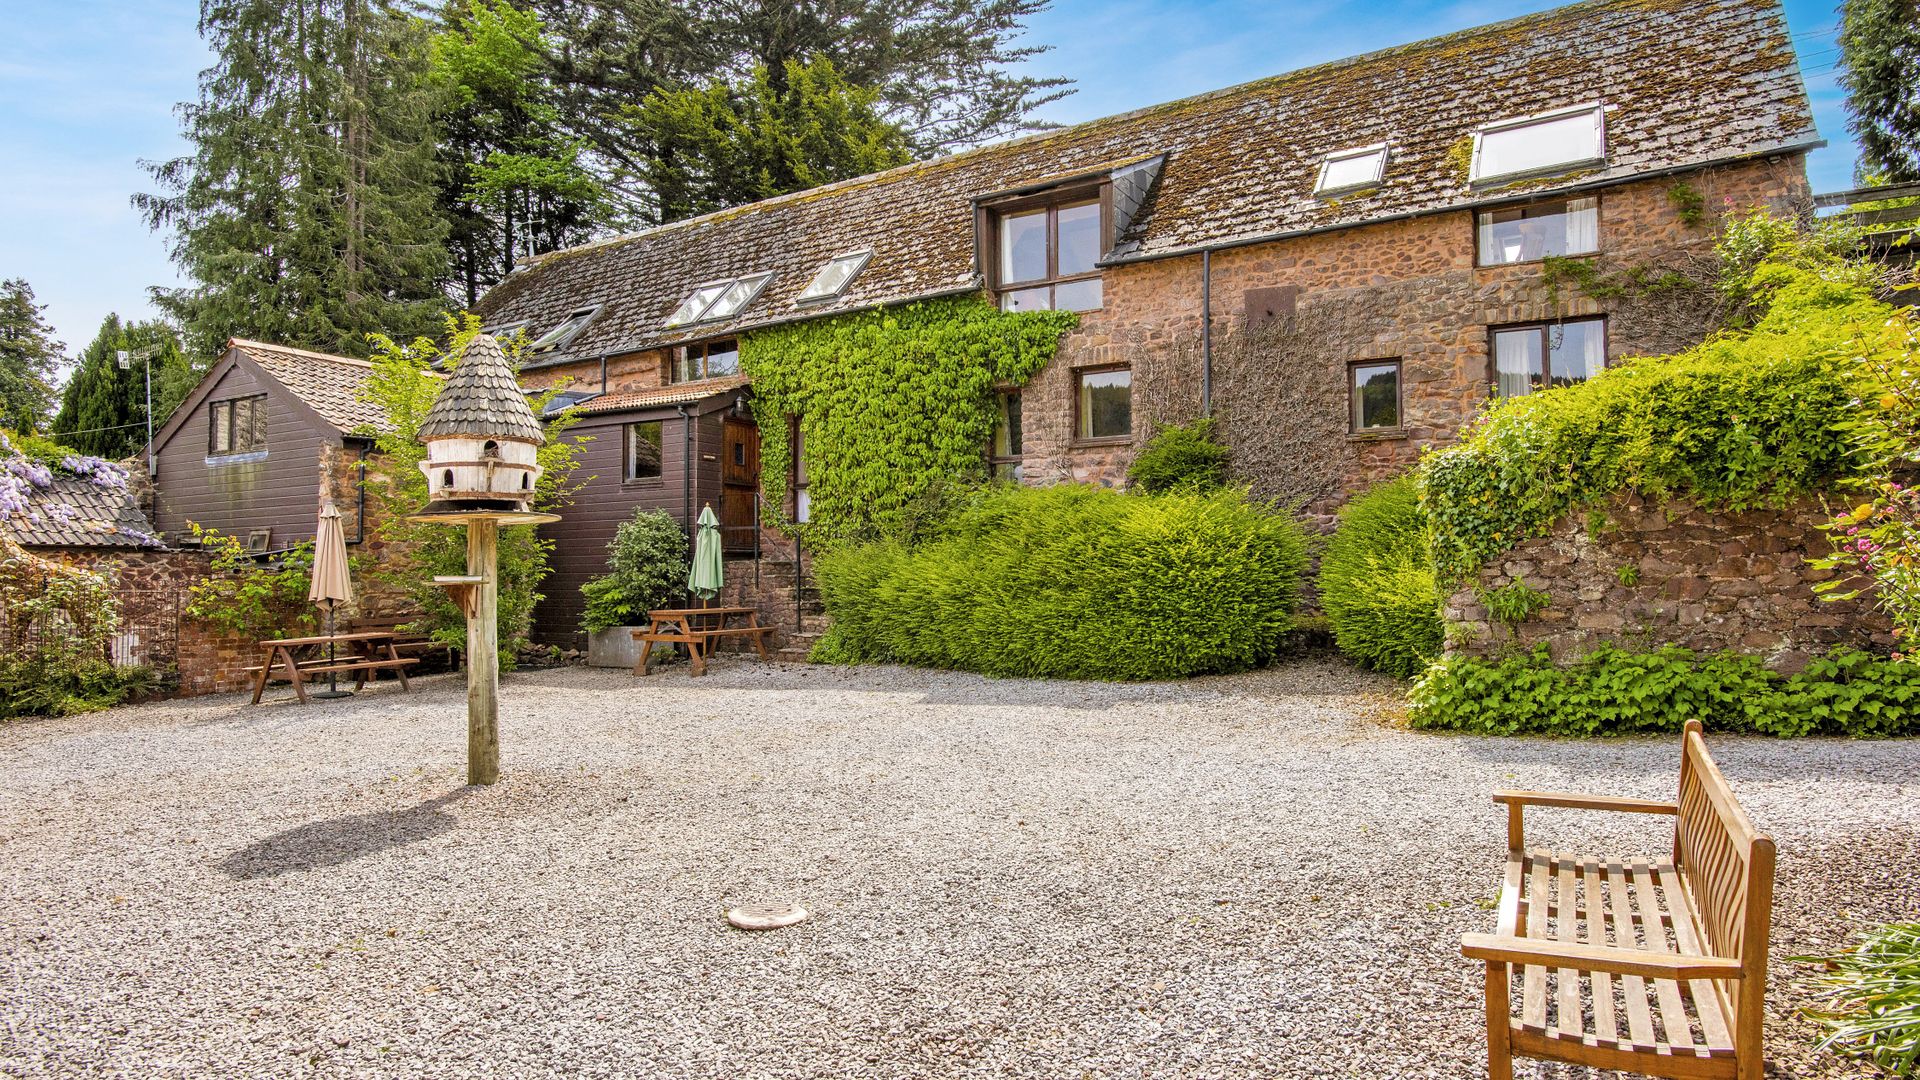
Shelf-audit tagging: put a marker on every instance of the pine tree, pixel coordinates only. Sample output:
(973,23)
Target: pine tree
(722,145)
(305,211)
(103,409)
(28,357)
(1880,47)
(513,182)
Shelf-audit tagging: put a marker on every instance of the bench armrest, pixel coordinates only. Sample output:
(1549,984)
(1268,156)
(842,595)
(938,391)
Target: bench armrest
(1517,800)
(1501,949)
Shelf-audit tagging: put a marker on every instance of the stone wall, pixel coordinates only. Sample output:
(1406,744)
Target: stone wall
(1640,574)
(361,520)
(1407,290)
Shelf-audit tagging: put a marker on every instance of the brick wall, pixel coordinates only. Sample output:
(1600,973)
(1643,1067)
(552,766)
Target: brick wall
(1654,574)
(1406,290)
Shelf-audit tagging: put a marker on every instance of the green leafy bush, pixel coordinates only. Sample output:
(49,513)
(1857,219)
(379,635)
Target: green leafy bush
(1615,692)
(1749,419)
(255,596)
(1376,582)
(1073,581)
(646,570)
(43,685)
(1874,991)
(1180,457)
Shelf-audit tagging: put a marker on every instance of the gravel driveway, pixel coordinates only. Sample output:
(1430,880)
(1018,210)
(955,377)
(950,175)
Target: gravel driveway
(1240,877)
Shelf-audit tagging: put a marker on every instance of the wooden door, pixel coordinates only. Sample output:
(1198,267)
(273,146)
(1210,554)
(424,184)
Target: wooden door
(740,481)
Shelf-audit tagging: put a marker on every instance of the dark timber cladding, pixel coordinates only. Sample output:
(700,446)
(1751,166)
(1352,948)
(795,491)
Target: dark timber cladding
(691,431)
(268,476)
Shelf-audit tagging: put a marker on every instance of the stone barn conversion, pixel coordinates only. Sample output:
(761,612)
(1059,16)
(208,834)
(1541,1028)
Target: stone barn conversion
(1340,264)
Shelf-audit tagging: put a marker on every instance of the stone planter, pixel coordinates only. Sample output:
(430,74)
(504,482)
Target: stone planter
(614,647)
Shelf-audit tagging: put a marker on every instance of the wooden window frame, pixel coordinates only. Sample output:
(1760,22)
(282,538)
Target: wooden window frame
(1479,259)
(229,408)
(1101,440)
(996,212)
(1399,428)
(797,472)
(706,348)
(626,454)
(1546,351)
(994,461)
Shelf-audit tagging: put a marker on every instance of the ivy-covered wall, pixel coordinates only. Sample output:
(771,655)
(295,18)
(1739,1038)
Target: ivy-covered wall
(891,405)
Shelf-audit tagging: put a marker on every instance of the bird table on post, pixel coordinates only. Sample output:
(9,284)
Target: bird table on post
(482,442)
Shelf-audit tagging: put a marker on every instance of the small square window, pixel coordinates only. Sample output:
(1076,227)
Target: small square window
(237,426)
(1518,234)
(1373,387)
(569,328)
(833,278)
(1547,143)
(1352,170)
(644,441)
(1104,401)
(1528,359)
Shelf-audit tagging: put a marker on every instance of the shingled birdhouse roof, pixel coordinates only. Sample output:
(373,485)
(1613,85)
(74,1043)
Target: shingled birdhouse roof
(482,400)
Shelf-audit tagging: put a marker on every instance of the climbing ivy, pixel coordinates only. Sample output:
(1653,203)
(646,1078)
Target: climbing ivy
(892,404)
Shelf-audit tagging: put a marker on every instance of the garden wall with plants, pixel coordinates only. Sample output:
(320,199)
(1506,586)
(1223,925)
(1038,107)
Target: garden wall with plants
(1639,573)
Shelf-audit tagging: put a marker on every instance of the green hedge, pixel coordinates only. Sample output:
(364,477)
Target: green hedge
(1073,581)
(1179,457)
(1615,692)
(1376,582)
(1743,420)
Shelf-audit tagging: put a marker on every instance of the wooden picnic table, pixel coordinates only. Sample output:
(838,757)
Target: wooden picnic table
(699,629)
(364,660)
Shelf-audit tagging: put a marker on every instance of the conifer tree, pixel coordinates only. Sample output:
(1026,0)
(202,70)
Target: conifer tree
(103,409)
(28,357)
(304,212)
(1880,48)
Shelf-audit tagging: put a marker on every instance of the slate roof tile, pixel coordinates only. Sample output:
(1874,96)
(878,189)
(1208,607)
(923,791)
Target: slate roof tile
(79,513)
(1686,83)
(330,384)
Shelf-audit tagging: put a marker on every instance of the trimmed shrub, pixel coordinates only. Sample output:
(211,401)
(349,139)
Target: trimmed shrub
(647,569)
(1180,457)
(1615,692)
(1073,581)
(1749,419)
(1376,582)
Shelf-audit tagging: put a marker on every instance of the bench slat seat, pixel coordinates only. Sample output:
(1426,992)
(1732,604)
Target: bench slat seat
(1642,965)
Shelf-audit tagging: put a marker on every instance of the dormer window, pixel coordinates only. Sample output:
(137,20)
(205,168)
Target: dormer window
(569,328)
(1540,145)
(1352,170)
(833,278)
(1046,255)
(718,300)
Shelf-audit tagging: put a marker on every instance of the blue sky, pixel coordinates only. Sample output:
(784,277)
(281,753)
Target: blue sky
(87,89)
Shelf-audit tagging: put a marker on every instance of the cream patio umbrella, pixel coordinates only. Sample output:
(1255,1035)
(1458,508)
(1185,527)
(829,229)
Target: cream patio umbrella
(332,586)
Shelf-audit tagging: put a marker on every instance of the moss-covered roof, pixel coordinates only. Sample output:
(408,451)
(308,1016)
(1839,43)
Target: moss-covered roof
(1685,82)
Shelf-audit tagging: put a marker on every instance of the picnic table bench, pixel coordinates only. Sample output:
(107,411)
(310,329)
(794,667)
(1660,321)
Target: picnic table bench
(364,660)
(699,629)
(1679,946)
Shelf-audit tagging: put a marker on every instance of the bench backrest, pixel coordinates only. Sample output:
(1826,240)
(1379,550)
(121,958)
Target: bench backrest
(1728,867)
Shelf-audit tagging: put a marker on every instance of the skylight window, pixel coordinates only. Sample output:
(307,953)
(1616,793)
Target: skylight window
(1547,143)
(568,329)
(833,278)
(718,300)
(1351,170)
(507,329)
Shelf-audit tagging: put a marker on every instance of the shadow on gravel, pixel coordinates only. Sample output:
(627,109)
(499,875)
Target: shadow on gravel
(340,840)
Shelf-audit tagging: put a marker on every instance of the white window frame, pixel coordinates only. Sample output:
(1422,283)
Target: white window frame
(724,285)
(1379,151)
(1599,113)
(562,335)
(507,329)
(758,281)
(860,259)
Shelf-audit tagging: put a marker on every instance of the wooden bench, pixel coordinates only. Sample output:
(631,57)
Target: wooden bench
(1649,966)
(700,630)
(405,641)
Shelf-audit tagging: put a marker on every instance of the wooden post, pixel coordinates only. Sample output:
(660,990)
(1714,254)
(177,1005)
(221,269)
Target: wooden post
(483,654)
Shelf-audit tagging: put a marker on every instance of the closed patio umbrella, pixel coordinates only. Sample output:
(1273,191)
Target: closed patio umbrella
(331,584)
(708,571)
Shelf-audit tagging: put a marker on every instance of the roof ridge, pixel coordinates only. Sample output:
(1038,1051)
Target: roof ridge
(243,344)
(1468,33)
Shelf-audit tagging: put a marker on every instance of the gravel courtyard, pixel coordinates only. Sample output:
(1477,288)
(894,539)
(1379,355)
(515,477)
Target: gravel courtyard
(1255,876)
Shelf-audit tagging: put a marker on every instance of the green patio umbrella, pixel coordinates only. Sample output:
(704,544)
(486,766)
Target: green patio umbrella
(708,571)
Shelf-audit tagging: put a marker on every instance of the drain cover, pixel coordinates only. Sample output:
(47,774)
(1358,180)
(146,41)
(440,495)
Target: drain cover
(765,916)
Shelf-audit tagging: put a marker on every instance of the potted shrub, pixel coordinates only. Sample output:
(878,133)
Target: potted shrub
(647,569)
